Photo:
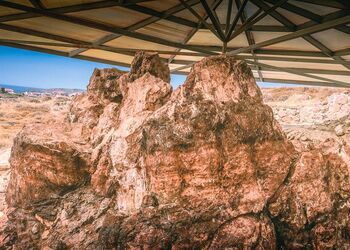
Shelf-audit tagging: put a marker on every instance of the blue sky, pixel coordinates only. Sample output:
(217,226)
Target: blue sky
(34,69)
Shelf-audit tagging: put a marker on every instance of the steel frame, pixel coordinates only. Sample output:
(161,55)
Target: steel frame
(226,31)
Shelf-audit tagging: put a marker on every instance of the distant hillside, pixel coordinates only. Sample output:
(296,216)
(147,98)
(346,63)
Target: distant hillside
(22,89)
(69,91)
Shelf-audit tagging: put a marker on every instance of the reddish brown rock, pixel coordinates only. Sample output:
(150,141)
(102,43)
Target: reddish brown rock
(245,232)
(114,157)
(103,89)
(46,163)
(205,167)
(151,63)
(209,142)
(309,209)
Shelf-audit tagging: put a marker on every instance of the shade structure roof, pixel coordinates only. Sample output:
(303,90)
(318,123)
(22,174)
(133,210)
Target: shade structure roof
(285,41)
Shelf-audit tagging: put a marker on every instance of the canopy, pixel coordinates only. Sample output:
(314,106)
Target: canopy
(285,41)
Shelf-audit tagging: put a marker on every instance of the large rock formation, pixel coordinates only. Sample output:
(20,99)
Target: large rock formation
(139,166)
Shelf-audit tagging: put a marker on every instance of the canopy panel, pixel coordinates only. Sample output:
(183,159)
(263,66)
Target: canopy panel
(284,41)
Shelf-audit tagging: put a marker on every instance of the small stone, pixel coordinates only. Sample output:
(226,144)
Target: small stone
(35,228)
(304,138)
(339,131)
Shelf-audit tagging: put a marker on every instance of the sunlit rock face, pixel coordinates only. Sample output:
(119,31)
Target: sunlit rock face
(138,165)
(148,63)
(46,163)
(312,208)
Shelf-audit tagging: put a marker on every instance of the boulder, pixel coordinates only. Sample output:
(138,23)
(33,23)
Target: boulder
(103,86)
(309,209)
(120,147)
(140,166)
(145,62)
(103,89)
(212,137)
(46,163)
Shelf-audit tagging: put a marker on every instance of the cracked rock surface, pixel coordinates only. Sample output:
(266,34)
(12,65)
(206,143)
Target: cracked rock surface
(137,165)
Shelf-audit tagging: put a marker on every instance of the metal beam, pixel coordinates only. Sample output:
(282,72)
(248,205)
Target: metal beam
(37,4)
(244,26)
(60,53)
(278,52)
(126,2)
(329,17)
(62,10)
(109,3)
(102,4)
(301,60)
(296,53)
(40,34)
(103,27)
(284,81)
(293,82)
(313,71)
(235,20)
(258,52)
(136,26)
(249,36)
(326,3)
(282,19)
(308,83)
(228,16)
(308,38)
(313,29)
(280,59)
(193,31)
(343,52)
(200,19)
(269,28)
(100,47)
(324,49)
(213,19)
(252,20)
(288,70)
(151,12)
(308,14)
(299,11)
(190,63)
(345,3)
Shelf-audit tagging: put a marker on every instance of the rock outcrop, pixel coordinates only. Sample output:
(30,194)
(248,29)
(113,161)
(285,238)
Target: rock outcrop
(139,166)
(45,163)
(311,209)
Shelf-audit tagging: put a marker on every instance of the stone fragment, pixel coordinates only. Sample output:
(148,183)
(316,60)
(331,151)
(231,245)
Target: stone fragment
(45,163)
(339,130)
(145,62)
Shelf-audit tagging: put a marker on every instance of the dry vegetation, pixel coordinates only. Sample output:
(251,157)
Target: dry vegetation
(18,111)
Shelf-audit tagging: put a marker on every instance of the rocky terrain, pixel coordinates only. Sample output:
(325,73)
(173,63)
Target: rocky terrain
(310,116)
(16,111)
(136,165)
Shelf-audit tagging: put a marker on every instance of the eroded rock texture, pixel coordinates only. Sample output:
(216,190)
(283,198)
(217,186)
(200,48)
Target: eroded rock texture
(138,166)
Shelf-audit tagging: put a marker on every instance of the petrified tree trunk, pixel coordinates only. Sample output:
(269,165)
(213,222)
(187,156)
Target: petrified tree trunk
(205,166)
